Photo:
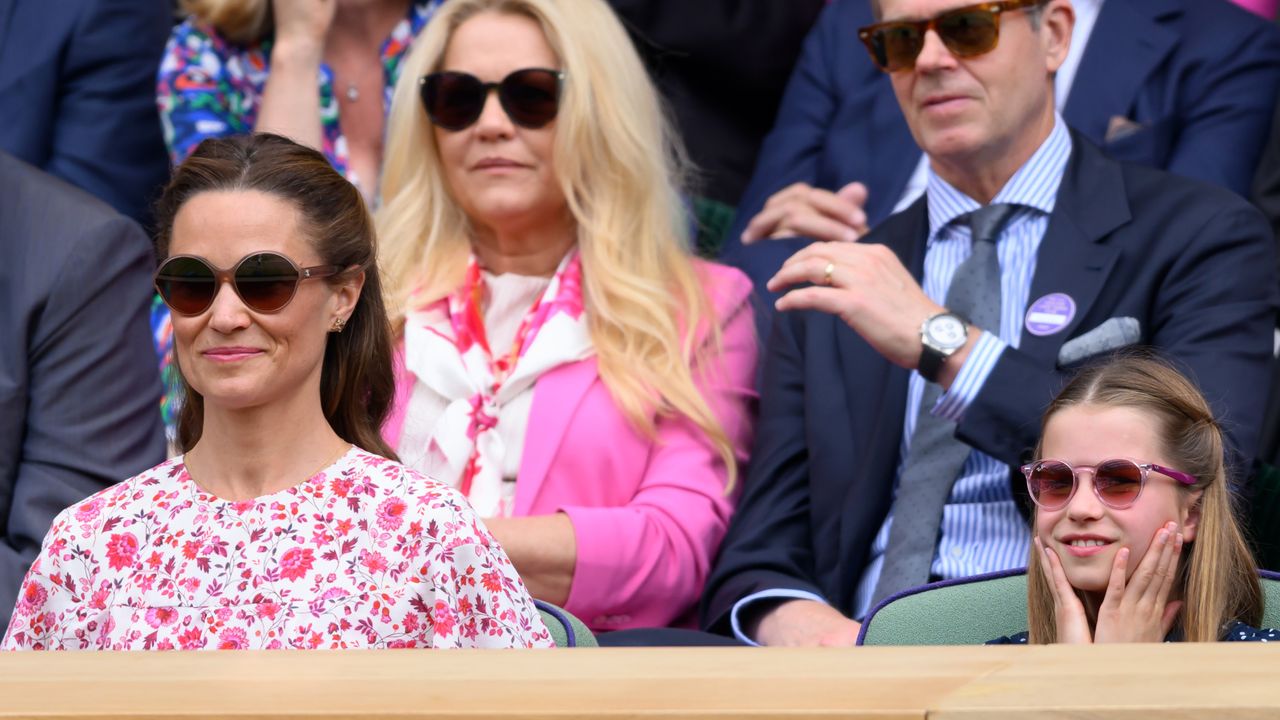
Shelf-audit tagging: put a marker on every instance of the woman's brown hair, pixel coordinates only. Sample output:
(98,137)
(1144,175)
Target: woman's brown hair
(356,382)
(1217,575)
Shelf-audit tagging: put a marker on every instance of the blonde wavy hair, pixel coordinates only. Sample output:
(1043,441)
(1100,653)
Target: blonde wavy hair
(618,165)
(245,22)
(1217,574)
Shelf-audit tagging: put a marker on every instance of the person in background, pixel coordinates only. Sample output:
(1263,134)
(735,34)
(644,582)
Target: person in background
(1186,86)
(77,95)
(317,71)
(564,360)
(1135,538)
(906,372)
(287,522)
(78,384)
(721,65)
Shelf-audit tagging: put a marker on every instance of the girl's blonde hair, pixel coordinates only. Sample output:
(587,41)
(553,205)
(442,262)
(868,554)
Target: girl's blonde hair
(619,167)
(1217,575)
(244,22)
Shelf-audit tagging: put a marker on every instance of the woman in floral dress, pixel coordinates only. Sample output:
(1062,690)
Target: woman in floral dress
(318,71)
(284,524)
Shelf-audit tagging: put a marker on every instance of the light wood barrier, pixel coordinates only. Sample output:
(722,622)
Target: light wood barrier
(1229,680)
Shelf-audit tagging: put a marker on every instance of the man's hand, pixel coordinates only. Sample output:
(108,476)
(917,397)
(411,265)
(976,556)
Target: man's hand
(804,623)
(802,210)
(870,290)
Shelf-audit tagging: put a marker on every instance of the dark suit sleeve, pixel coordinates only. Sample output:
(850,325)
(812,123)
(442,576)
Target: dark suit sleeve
(107,138)
(1266,184)
(1226,103)
(748,43)
(1213,314)
(93,414)
(792,151)
(769,542)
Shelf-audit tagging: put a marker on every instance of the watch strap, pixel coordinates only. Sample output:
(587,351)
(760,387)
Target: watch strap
(930,363)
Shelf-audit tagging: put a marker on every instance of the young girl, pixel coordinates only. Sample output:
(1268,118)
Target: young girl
(1134,538)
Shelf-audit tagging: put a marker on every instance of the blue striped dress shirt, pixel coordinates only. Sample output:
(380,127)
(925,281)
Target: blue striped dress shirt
(982,530)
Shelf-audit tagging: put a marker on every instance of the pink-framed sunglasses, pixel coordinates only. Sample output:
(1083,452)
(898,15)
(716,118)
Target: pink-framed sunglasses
(1117,483)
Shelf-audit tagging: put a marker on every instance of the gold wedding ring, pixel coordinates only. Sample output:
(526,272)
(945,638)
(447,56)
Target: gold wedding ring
(826,273)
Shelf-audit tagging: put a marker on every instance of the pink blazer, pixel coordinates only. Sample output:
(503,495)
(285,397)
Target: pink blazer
(1265,8)
(648,514)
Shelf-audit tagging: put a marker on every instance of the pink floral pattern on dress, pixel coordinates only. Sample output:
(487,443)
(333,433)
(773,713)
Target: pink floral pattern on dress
(365,554)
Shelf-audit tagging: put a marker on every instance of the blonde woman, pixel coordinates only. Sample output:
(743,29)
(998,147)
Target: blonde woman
(565,362)
(1135,539)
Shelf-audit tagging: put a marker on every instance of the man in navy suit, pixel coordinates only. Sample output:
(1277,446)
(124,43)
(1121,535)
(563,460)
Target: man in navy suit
(79,386)
(78,98)
(1183,85)
(873,381)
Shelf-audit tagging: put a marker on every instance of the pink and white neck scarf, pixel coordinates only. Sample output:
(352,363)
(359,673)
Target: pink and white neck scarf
(447,349)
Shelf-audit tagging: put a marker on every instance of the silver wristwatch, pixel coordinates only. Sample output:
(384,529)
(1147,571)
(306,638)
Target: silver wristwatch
(940,336)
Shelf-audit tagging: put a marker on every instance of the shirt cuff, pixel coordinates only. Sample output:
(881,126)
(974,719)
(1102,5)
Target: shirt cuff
(972,376)
(739,606)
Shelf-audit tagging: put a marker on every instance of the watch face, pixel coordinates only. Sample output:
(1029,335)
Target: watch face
(946,332)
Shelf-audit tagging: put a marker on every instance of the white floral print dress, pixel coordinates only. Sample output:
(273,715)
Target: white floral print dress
(364,554)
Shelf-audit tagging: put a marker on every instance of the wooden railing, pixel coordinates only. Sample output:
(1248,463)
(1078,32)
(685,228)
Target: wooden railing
(1228,680)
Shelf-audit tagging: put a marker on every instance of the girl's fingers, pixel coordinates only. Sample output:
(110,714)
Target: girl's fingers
(1169,569)
(1062,590)
(1155,576)
(1116,585)
(1146,570)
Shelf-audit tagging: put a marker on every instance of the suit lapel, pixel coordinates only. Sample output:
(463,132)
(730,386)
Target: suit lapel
(1128,41)
(863,367)
(876,392)
(1072,260)
(556,398)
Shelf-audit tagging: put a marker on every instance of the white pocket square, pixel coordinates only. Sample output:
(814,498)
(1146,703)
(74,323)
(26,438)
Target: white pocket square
(1111,335)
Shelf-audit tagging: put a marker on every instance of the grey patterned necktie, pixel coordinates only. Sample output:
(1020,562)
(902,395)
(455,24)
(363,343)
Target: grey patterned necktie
(935,457)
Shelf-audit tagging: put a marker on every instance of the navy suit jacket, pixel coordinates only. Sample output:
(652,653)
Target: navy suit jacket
(79,382)
(1193,263)
(1199,76)
(78,94)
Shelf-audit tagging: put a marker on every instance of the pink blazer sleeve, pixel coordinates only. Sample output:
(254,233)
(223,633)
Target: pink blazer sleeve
(1263,8)
(643,564)
(393,425)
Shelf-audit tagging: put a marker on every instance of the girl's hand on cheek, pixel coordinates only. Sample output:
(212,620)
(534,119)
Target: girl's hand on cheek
(1140,611)
(1073,624)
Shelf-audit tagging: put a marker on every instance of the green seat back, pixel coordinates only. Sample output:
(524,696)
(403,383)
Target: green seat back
(566,630)
(982,608)
(964,612)
(1270,599)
